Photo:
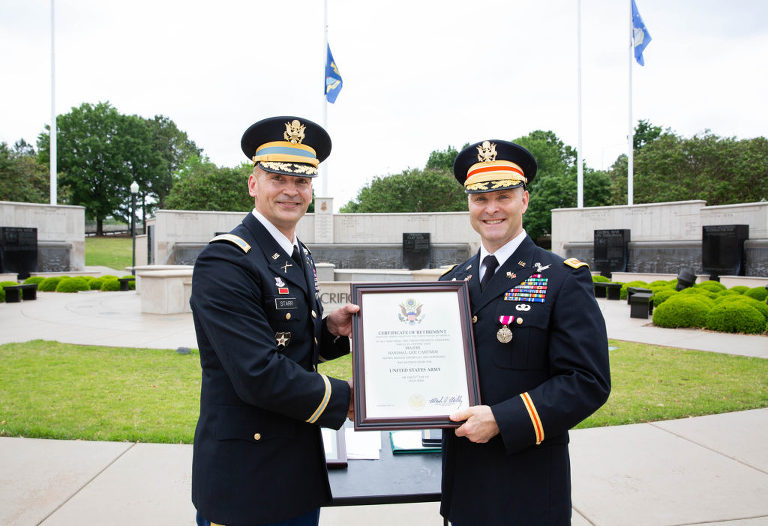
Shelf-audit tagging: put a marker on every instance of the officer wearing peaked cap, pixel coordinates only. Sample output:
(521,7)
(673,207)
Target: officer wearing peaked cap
(542,355)
(258,454)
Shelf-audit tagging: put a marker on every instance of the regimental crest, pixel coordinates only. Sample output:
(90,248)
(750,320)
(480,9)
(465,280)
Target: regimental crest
(294,131)
(486,152)
(410,312)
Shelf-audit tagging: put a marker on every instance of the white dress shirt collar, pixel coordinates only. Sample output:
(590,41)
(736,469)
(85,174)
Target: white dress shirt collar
(502,255)
(285,243)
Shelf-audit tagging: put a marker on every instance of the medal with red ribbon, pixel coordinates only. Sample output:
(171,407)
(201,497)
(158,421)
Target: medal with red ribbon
(504,335)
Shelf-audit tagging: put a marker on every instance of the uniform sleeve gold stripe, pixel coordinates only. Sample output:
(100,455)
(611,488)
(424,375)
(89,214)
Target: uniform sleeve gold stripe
(323,403)
(233,239)
(535,420)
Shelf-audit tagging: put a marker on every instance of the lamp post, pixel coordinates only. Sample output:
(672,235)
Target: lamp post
(134,191)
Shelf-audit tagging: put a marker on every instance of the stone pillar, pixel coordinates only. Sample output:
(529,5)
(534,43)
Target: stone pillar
(323,220)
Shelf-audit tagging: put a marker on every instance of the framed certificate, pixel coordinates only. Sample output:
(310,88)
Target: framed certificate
(413,357)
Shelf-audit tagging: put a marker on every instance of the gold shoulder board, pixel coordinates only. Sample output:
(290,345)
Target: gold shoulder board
(575,263)
(235,240)
(447,271)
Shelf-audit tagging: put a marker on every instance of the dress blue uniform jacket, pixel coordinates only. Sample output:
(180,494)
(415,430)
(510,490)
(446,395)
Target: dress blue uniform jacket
(550,376)
(258,454)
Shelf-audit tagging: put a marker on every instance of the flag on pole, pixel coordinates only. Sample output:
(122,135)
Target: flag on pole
(640,36)
(333,80)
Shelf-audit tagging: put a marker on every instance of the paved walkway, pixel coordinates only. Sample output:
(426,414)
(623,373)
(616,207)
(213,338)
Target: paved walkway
(705,470)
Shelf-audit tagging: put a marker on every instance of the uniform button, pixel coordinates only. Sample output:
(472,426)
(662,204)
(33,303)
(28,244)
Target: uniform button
(257,436)
(314,314)
(474,319)
(288,316)
(519,321)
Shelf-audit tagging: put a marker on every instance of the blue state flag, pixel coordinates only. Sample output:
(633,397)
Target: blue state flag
(640,35)
(333,80)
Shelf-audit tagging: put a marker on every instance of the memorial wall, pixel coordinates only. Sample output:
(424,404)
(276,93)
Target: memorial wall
(60,233)
(668,236)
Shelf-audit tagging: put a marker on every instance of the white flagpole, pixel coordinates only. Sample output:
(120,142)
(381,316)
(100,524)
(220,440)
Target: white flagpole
(631,133)
(53,116)
(579,161)
(324,166)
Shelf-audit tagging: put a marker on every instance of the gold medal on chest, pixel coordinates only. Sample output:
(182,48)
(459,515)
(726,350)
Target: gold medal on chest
(504,335)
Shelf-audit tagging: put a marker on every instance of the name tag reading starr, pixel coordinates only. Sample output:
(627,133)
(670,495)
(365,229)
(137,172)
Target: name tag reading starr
(286,304)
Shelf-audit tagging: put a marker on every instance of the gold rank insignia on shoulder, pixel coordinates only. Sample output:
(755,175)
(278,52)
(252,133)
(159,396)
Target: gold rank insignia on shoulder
(521,263)
(575,263)
(235,240)
(447,271)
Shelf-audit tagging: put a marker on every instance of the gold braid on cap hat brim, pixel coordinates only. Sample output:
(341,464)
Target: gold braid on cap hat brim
(499,174)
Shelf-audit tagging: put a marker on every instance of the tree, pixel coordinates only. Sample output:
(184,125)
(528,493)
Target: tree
(101,152)
(201,185)
(715,169)
(645,133)
(413,190)
(443,159)
(22,177)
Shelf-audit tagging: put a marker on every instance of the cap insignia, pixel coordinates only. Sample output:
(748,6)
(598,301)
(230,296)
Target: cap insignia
(486,152)
(294,131)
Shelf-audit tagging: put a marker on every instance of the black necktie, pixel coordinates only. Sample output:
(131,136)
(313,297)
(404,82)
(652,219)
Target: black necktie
(296,257)
(490,263)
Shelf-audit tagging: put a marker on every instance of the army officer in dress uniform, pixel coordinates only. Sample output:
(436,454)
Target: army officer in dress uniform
(258,452)
(542,356)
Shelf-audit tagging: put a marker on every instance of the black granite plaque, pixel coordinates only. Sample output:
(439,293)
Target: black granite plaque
(18,250)
(416,250)
(611,250)
(722,249)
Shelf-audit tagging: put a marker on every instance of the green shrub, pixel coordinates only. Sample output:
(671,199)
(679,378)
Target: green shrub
(734,316)
(72,285)
(711,286)
(682,311)
(33,279)
(623,293)
(95,283)
(696,291)
(758,293)
(759,305)
(50,284)
(600,279)
(660,283)
(110,284)
(2,290)
(729,292)
(662,295)
(741,289)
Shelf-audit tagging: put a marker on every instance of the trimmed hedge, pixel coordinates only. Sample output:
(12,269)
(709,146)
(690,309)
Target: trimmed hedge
(741,289)
(733,316)
(759,305)
(110,284)
(711,286)
(72,285)
(682,311)
(600,279)
(662,295)
(758,293)
(33,279)
(95,283)
(50,284)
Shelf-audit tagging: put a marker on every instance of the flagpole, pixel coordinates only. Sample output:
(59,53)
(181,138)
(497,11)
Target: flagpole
(631,133)
(52,146)
(324,166)
(580,163)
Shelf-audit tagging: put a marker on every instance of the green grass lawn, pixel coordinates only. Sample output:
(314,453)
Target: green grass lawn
(112,252)
(64,391)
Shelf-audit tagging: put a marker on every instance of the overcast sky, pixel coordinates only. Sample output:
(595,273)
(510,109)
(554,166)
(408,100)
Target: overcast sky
(418,75)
